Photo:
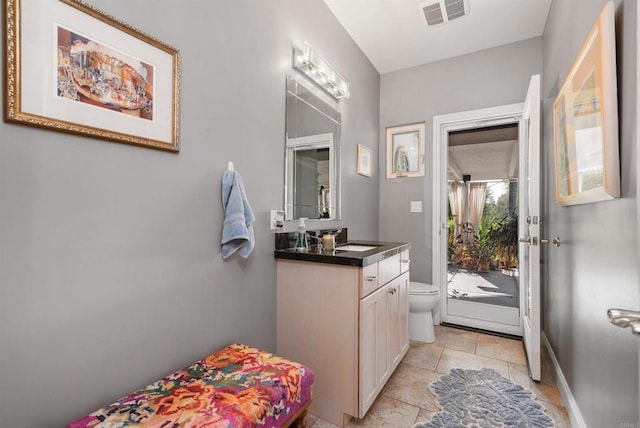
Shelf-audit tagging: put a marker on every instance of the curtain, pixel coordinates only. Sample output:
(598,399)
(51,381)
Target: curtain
(477,196)
(458,203)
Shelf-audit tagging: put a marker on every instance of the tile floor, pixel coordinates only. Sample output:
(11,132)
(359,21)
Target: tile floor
(406,398)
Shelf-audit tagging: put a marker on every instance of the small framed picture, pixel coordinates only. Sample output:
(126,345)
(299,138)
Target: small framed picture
(405,151)
(365,161)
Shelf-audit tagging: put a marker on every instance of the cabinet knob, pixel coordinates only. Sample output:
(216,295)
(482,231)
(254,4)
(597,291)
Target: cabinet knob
(392,290)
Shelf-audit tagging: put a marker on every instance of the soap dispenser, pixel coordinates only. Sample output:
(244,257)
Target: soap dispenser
(301,238)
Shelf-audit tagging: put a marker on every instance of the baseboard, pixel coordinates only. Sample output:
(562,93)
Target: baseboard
(567,397)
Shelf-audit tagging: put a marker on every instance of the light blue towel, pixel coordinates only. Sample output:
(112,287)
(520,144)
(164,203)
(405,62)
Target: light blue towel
(237,230)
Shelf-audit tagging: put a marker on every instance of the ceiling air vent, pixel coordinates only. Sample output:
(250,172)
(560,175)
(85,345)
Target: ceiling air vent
(441,11)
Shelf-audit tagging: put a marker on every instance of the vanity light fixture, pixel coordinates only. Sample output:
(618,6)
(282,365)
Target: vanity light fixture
(316,68)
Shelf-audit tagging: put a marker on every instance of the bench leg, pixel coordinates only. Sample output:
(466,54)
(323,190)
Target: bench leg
(301,421)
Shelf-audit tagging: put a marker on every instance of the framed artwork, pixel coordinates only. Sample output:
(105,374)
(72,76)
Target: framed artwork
(365,161)
(585,121)
(72,68)
(405,151)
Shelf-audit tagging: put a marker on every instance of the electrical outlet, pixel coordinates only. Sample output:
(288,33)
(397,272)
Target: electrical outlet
(416,206)
(276,219)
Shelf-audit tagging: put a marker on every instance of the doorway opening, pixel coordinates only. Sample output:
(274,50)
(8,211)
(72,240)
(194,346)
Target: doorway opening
(481,264)
(482,216)
(476,247)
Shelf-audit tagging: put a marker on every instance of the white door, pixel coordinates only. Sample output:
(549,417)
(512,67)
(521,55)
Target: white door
(503,319)
(529,224)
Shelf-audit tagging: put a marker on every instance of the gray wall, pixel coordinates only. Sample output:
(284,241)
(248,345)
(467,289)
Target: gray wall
(483,79)
(597,267)
(110,266)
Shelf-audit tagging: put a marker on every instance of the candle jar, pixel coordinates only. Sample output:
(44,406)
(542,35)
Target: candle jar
(329,242)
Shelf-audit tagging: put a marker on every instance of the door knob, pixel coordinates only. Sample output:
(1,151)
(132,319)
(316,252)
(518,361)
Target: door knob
(625,318)
(531,240)
(556,241)
(622,317)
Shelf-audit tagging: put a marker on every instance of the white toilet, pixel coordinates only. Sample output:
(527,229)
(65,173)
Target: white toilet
(423,299)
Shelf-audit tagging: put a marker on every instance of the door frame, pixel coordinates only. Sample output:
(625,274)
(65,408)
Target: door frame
(442,124)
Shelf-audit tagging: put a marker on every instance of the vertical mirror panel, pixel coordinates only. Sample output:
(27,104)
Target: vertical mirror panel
(312,178)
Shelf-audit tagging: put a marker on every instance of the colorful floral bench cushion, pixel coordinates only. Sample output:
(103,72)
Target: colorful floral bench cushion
(237,386)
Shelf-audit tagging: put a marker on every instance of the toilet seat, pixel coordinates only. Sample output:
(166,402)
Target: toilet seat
(420,288)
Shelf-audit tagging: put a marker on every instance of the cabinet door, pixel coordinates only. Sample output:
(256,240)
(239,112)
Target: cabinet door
(397,319)
(393,322)
(403,326)
(373,348)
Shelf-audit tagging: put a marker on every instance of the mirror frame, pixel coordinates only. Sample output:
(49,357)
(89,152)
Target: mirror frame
(293,144)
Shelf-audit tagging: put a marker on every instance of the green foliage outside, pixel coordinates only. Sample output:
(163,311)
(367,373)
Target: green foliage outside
(498,229)
(497,234)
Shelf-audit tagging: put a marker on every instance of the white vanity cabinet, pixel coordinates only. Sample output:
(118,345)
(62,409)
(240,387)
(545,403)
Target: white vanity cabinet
(349,324)
(384,337)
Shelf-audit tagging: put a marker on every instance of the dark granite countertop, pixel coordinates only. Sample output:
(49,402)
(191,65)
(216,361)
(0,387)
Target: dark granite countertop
(342,257)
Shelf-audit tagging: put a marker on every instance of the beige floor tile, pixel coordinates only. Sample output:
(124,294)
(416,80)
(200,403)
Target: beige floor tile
(423,355)
(424,415)
(558,414)
(544,390)
(501,348)
(454,338)
(387,412)
(548,372)
(310,419)
(452,359)
(410,385)
(320,423)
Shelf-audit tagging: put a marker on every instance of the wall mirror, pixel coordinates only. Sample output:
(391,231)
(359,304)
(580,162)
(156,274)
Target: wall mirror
(312,155)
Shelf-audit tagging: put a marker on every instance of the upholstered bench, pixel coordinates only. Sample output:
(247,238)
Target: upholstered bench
(237,387)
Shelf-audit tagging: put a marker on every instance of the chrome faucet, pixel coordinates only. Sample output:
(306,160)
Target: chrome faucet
(313,240)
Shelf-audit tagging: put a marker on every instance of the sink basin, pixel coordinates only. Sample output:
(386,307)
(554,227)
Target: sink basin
(353,247)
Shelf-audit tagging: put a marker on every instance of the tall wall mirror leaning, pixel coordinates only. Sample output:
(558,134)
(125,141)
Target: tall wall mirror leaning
(312,155)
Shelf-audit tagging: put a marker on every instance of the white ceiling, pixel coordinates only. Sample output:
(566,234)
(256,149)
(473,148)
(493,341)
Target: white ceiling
(485,154)
(497,160)
(394,35)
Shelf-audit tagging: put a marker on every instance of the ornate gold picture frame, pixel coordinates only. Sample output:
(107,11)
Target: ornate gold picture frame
(74,69)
